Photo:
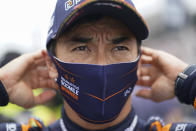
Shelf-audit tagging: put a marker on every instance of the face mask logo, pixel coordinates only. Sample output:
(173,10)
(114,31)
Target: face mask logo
(97,93)
(69,87)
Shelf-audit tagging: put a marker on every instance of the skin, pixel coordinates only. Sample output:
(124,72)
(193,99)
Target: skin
(106,41)
(159,75)
(24,74)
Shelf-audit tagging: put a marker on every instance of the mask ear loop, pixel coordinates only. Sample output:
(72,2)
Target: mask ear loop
(138,56)
(139,43)
(52,58)
(139,53)
(139,47)
(139,50)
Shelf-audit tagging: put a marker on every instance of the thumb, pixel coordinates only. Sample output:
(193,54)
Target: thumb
(144,93)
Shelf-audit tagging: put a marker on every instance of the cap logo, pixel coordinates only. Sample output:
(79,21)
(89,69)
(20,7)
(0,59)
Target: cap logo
(70,3)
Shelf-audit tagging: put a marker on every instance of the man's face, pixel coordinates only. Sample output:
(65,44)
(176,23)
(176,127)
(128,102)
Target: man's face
(106,41)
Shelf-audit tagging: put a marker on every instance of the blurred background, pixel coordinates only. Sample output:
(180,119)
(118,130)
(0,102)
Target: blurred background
(172,23)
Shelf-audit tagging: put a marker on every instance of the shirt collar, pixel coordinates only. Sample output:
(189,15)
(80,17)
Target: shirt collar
(130,123)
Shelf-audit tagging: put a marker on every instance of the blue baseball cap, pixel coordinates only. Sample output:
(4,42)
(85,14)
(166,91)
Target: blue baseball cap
(69,11)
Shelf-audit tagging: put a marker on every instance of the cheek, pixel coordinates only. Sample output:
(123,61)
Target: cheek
(67,55)
(62,53)
(124,56)
(127,56)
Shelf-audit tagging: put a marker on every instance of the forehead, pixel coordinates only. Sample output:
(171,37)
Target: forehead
(97,23)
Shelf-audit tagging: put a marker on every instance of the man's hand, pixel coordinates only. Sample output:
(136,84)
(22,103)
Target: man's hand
(158,71)
(24,74)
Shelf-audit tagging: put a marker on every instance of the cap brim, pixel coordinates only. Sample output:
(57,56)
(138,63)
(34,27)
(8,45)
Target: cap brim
(116,9)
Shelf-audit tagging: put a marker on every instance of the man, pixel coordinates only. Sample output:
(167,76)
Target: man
(97,90)
(94,50)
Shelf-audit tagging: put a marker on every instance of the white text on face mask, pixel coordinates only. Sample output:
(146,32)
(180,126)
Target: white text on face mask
(70,88)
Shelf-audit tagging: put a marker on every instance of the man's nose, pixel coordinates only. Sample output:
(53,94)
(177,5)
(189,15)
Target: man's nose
(101,57)
(101,61)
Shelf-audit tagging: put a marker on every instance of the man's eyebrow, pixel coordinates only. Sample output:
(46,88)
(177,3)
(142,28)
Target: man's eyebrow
(120,39)
(81,39)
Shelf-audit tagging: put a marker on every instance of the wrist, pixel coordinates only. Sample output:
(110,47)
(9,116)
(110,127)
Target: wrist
(4,98)
(2,76)
(180,69)
(4,79)
(183,85)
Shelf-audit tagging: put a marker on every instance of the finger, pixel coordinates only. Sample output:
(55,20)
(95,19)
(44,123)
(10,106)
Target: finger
(139,69)
(154,54)
(144,81)
(146,60)
(147,51)
(44,97)
(48,83)
(38,65)
(33,56)
(145,70)
(40,62)
(42,72)
(37,55)
(144,93)
(28,60)
(36,58)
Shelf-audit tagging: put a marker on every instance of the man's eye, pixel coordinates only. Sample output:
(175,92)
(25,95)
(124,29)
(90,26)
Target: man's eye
(120,48)
(81,48)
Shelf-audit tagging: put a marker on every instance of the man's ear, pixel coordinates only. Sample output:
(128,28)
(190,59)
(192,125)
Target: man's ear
(50,65)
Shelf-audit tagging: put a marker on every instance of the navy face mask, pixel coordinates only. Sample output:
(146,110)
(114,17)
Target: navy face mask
(96,92)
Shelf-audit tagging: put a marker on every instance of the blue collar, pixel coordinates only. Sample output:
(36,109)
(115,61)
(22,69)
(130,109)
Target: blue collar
(131,123)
